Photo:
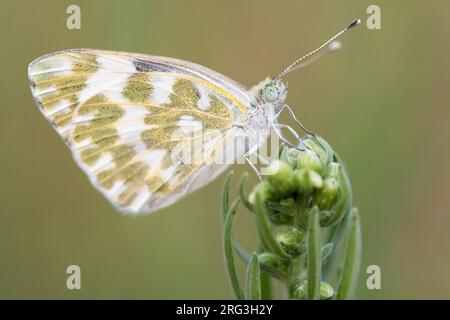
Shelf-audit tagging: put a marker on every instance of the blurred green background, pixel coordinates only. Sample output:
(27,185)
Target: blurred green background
(382,102)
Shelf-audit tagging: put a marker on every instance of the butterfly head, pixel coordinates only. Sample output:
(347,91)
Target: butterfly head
(274,92)
(270,93)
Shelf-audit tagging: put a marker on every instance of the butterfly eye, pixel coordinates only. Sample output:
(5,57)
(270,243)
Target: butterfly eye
(271,93)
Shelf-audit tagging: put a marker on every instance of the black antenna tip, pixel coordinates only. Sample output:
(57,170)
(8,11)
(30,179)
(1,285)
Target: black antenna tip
(354,23)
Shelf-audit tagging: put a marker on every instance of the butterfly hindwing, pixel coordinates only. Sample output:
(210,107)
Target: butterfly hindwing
(125,116)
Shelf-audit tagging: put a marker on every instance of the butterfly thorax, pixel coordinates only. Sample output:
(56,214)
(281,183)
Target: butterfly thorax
(259,126)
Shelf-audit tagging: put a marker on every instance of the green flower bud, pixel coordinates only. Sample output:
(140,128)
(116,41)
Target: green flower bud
(272,264)
(283,211)
(321,148)
(290,241)
(329,194)
(268,259)
(279,218)
(333,170)
(324,216)
(289,203)
(309,160)
(298,290)
(264,189)
(290,156)
(281,177)
(326,291)
(306,180)
(345,199)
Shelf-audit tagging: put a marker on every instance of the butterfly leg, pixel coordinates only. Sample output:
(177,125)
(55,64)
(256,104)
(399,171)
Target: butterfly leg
(279,111)
(294,117)
(264,160)
(276,127)
(252,165)
(285,126)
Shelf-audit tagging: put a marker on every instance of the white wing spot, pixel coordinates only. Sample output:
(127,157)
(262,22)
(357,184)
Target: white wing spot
(140,146)
(84,118)
(103,161)
(204,102)
(135,111)
(186,117)
(59,107)
(111,72)
(174,180)
(41,91)
(131,130)
(154,158)
(83,143)
(188,124)
(139,201)
(162,89)
(62,67)
(168,173)
(117,186)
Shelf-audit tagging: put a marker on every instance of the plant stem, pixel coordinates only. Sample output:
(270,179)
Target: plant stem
(314,256)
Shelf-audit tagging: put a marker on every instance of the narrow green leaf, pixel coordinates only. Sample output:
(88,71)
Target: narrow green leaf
(336,232)
(335,236)
(267,237)
(244,198)
(225,206)
(352,258)
(228,250)
(226,194)
(266,285)
(326,251)
(314,256)
(253,279)
(242,253)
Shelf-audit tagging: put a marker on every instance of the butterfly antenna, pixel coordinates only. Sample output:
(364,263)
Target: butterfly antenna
(329,46)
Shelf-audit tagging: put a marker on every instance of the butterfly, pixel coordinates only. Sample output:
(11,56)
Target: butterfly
(125,116)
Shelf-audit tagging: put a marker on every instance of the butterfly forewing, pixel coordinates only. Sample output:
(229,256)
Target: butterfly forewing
(124,116)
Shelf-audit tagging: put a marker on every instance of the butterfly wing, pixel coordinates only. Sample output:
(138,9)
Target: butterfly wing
(146,130)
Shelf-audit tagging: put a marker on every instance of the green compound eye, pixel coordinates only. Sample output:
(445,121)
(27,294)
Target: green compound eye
(271,93)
